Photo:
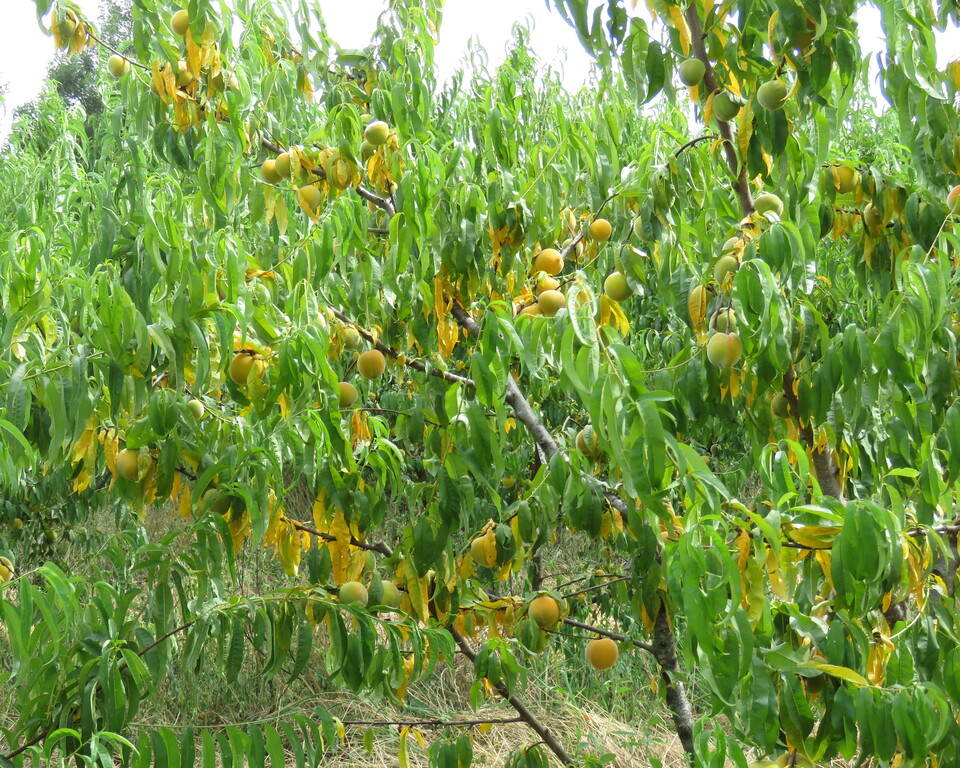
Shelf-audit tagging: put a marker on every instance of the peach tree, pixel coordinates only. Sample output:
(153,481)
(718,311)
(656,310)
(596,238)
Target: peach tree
(701,317)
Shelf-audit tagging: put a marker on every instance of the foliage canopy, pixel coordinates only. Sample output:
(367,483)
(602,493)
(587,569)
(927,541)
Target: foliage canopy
(759,435)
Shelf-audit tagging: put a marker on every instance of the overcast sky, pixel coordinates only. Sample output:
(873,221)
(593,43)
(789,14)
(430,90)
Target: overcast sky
(25,51)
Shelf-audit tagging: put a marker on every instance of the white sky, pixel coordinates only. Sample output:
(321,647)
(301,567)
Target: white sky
(25,51)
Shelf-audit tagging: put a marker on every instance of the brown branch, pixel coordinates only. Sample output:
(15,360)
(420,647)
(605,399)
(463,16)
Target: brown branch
(394,354)
(590,576)
(603,205)
(596,586)
(827,473)
(110,48)
(607,633)
(435,723)
(738,169)
(381,202)
(523,412)
(378,546)
(664,648)
(693,143)
(525,714)
(577,239)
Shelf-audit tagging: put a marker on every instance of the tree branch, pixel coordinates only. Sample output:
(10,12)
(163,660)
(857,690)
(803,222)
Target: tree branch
(525,714)
(827,473)
(665,650)
(523,412)
(381,202)
(607,633)
(664,647)
(738,169)
(693,143)
(378,546)
(394,354)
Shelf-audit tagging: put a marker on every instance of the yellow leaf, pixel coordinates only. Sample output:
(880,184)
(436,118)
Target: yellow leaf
(276,524)
(339,547)
(186,502)
(611,313)
(744,547)
(771,27)
(447,330)
(812,536)
(81,482)
(844,673)
(417,593)
(745,126)
(305,206)
(877,662)
(359,427)
(358,563)
(84,443)
(776,577)
(734,382)
(240,531)
(267,274)
(193,54)
(403,759)
(110,442)
(270,200)
(697,306)
(164,82)
(320,514)
(680,24)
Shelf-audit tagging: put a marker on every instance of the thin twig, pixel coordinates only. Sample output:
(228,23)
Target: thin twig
(607,633)
(596,586)
(394,354)
(694,142)
(379,546)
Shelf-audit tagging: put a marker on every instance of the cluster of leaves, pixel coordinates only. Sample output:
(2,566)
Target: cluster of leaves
(138,262)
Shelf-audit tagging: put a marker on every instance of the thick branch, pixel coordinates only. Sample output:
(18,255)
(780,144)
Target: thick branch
(665,651)
(827,473)
(664,646)
(525,714)
(738,169)
(523,412)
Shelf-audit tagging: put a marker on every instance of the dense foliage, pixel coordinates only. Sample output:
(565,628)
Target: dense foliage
(274,269)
